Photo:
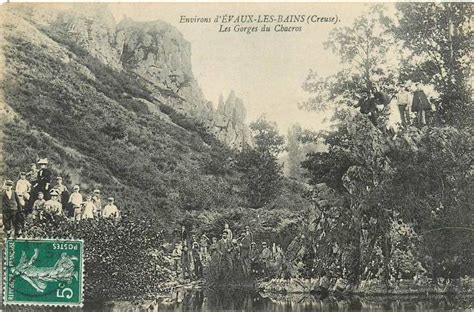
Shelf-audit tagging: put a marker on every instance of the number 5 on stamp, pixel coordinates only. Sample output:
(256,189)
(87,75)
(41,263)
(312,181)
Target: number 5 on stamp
(43,272)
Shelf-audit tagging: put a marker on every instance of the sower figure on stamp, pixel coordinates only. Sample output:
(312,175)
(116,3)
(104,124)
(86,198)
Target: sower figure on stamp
(12,214)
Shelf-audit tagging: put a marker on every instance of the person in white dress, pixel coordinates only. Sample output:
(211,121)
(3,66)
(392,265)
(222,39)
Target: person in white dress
(88,208)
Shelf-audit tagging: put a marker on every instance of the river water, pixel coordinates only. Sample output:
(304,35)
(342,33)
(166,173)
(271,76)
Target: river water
(240,300)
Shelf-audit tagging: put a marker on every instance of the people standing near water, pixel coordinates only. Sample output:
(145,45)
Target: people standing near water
(176,256)
(185,263)
(245,243)
(265,257)
(197,260)
(253,256)
(213,248)
(204,243)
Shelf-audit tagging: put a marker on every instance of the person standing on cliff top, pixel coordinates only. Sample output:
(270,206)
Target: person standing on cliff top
(420,105)
(403,98)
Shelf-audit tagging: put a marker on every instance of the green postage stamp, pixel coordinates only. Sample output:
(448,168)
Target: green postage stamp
(43,272)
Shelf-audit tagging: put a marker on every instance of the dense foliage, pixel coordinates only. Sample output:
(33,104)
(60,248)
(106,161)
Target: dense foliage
(123,260)
(262,174)
(443,58)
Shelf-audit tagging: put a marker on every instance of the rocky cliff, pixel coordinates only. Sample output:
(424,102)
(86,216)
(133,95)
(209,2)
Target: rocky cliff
(155,51)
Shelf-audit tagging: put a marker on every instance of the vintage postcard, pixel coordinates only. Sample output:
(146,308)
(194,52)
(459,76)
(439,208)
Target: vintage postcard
(237,156)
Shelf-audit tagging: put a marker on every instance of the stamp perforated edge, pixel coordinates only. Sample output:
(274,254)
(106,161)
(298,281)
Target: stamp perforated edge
(44,304)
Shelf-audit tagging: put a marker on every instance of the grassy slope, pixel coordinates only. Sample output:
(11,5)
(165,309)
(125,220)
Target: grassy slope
(91,130)
(85,118)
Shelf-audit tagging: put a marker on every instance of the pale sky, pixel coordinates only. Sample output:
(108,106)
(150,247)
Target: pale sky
(266,70)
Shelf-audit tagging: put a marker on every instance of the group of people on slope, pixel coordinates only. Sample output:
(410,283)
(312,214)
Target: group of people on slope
(36,197)
(406,99)
(229,255)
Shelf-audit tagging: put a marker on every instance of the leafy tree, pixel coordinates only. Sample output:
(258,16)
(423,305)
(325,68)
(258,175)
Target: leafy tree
(262,173)
(363,49)
(439,39)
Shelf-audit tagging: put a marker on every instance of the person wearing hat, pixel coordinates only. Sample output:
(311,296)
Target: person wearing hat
(265,257)
(75,202)
(110,210)
(97,200)
(62,191)
(43,179)
(11,208)
(53,206)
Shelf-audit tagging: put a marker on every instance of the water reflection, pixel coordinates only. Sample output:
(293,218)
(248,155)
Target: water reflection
(247,300)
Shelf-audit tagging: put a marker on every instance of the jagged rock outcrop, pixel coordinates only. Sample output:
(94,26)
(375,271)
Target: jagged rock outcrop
(229,121)
(156,51)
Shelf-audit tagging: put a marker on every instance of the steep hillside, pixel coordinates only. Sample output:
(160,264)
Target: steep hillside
(154,53)
(102,127)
